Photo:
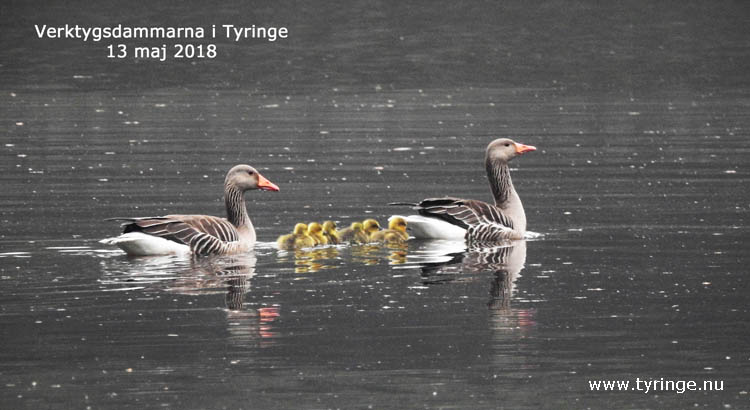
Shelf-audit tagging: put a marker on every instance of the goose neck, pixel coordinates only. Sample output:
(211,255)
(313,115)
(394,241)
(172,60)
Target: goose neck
(236,208)
(498,174)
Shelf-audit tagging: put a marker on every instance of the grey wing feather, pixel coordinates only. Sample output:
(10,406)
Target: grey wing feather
(203,234)
(483,221)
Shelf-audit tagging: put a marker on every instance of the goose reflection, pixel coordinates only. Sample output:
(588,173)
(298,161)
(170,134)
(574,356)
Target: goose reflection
(230,276)
(451,261)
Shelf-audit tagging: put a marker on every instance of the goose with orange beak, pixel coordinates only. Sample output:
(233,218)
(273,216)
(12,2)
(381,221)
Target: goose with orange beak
(198,234)
(477,221)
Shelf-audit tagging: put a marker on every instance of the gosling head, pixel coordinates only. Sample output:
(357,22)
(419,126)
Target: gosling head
(300,229)
(357,226)
(397,224)
(329,226)
(370,226)
(314,228)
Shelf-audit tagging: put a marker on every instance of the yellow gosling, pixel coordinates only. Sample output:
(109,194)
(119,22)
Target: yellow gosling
(354,234)
(329,230)
(315,231)
(370,226)
(396,227)
(392,238)
(296,240)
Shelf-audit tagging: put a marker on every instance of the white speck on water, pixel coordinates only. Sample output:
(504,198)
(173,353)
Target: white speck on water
(730,171)
(103,180)
(270,106)
(19,123)
(21,155)
(402,149)
(173,335)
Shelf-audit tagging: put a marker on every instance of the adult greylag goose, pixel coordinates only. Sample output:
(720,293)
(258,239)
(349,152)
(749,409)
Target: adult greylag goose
(455,218)
(199,234)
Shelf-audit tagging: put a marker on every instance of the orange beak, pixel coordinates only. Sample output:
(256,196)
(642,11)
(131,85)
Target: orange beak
(265,184)
(520,148)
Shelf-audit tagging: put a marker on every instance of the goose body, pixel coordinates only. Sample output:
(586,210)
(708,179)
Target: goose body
(456,218)
(198,234)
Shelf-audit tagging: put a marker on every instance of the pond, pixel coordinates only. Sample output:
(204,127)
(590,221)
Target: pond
(637,194)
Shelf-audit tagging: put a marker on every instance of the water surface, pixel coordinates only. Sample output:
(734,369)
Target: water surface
(639,189)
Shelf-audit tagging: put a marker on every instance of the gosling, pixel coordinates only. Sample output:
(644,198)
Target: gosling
(297,239)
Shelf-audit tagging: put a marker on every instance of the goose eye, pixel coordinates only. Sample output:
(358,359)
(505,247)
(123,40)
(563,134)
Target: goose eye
(507,144)
(250,172)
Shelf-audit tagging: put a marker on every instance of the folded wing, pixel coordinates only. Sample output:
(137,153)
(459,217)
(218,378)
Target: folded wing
(484,222)
(202,233)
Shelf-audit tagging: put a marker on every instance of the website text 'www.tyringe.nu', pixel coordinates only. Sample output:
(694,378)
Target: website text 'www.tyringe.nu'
(656,385)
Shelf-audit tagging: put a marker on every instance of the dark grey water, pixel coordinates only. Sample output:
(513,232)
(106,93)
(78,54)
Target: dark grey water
(639,187)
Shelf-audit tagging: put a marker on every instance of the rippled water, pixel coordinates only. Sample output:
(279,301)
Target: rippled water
(638,189)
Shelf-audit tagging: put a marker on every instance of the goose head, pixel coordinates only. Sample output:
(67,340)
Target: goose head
(246,178)
(505,149)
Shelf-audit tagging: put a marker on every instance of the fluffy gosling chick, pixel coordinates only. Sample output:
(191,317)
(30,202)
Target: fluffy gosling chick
(392,238)
(329,230)
(354,234)
(396,228)
(315,231)
(370,226)
(296,240)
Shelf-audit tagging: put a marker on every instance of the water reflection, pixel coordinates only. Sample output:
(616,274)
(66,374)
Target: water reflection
(230,276)
(448,261)
(331,257)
